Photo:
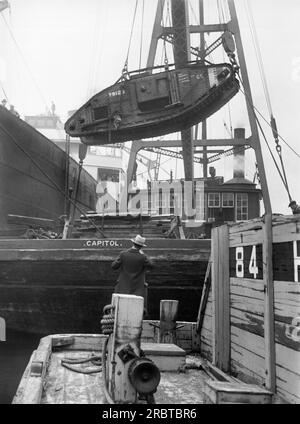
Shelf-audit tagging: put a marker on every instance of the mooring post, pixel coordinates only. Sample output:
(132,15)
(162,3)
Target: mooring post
(269,333)
(168,317)
(124,343)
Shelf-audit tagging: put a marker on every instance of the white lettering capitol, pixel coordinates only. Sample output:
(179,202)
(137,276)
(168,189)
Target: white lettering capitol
(102,243)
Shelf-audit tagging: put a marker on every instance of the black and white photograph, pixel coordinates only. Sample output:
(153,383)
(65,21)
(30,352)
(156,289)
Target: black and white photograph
(149,205)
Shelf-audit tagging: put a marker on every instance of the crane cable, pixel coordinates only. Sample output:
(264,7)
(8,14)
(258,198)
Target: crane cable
(164,24)
(3,90)
(222,19)
(142,34)
(98,34)
(258,55)
(125,69)
(267,95)
(25,62)
(281,173)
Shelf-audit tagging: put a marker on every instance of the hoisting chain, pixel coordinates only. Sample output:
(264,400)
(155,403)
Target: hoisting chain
(233,62)
(108,320)
(279,151)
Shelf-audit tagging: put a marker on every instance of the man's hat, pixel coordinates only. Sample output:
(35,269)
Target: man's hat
(292,203)
(139,240)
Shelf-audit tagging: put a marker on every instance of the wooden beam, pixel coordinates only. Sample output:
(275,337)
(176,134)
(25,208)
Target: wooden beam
(168,317)
(270,356)
(128,321)
(204,297)
(220,296)
(30,221)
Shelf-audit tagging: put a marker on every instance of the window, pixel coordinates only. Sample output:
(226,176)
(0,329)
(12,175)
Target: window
(241,206)
(100,112)
(227,200)
(213,200)
(106,151)
(97,150)
(107,174)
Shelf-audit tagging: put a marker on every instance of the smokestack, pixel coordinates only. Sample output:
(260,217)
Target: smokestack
(239,155)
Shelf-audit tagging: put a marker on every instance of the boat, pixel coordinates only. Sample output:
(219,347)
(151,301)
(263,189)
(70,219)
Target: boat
(128,364)
(246,331)
(62,285)
(243,348)
(152,102)
(33,184)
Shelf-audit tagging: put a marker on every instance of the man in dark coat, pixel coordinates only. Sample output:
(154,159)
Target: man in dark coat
(295,207)
(133,264)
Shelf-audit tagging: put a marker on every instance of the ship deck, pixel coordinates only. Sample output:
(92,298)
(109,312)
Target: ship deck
(47,381)
(185,378)
(63,386)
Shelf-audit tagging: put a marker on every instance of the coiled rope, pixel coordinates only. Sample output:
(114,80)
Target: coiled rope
(107,321)
(107,326)
(95,360)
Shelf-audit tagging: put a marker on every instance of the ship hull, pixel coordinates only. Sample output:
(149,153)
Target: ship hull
(50,286)
(33,176)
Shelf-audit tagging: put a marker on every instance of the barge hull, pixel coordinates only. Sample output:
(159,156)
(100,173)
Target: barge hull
(62,285)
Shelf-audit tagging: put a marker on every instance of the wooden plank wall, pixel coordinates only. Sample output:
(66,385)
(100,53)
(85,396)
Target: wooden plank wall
(220,298)
(206,334)
(247,306)
(248,345)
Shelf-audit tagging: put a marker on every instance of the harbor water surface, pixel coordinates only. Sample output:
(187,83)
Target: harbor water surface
(14,356)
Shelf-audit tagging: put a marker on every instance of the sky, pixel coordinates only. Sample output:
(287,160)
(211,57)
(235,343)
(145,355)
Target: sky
(67,50)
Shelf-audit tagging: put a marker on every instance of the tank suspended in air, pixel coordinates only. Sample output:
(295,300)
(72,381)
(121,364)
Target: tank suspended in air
(153,102)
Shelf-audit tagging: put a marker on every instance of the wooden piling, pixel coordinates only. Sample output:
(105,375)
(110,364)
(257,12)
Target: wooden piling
(128,315)
(168,317)
(220,296)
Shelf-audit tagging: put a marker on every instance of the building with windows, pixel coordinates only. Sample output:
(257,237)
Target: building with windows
(215,201)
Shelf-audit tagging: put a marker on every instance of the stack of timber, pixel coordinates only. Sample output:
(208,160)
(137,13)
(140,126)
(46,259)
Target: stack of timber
(123,226)
(252,320)
(50,286)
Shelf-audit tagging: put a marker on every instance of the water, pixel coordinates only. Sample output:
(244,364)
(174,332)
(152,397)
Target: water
(14,356)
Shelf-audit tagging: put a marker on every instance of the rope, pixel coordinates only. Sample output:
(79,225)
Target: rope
(54,185)
(142,34)
(95,360)
(282,175)
(76,191)
(258,55)
(25,62)
(130,38)
(164,58)
(105,388)
(221,12)
(3,90)
(267,95)
(107,326)
(107,321)
(279,136)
